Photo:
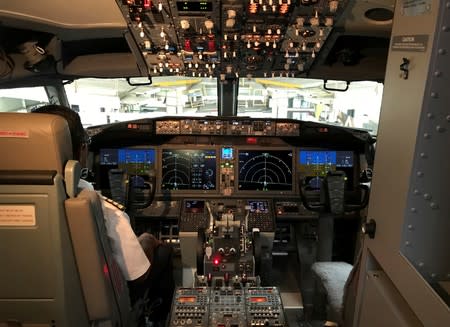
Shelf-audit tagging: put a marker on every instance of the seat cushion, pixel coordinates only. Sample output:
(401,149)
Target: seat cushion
(333,276)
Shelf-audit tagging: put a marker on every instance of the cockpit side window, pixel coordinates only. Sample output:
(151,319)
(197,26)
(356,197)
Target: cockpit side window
(22,99)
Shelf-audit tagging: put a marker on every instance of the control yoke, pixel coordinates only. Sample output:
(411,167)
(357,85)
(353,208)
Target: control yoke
(140,193)
(332,196)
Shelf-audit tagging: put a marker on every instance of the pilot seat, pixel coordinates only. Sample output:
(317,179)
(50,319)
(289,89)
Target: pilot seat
(57,266)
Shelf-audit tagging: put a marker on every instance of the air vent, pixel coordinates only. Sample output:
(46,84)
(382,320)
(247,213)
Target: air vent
(379,14)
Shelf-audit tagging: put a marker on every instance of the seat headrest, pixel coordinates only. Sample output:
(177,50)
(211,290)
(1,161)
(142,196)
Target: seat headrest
(34,142)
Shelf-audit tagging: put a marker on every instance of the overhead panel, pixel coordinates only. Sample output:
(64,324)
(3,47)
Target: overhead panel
(231,38)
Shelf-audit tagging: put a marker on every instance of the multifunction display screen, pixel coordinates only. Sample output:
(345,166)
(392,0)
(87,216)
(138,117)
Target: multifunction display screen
(258,206)
(132,161)
(315,164)
(265,170)
(194,206)
(188,169)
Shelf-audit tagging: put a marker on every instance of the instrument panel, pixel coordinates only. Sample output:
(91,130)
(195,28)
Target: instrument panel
(226,170)
(166,160)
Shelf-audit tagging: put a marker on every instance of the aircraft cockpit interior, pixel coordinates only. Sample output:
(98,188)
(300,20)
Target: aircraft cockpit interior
(271,147)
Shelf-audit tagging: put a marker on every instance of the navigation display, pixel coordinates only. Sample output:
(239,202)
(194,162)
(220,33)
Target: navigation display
(188,169)
(133,161)
(265,170)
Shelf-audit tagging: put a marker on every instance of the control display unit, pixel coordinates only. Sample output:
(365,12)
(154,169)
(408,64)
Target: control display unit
(265,170)
(188,169)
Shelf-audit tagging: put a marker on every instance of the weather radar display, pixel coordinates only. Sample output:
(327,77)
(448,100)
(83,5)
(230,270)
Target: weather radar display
(261,170)
(188,169)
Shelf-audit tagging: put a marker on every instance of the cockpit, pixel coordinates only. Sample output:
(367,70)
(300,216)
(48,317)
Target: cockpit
(240,134)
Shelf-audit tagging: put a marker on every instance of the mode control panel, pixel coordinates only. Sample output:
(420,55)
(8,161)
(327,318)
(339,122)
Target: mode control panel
(238,127)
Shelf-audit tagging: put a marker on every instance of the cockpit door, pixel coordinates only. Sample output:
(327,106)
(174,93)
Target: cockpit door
(405,272)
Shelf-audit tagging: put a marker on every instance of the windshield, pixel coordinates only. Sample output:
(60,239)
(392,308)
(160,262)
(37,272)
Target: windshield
(103,101)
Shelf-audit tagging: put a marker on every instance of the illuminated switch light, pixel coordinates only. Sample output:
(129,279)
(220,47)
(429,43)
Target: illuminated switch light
(185,24)
(230,22)
(333,5)
(209,24)
(231,13)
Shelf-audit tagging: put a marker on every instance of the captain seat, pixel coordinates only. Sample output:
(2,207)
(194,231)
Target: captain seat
(57,268)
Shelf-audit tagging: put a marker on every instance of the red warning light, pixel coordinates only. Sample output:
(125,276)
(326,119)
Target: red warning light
(252,140)
(216,261)
(147,4)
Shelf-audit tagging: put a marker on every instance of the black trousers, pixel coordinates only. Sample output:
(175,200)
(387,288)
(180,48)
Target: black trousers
(159,283)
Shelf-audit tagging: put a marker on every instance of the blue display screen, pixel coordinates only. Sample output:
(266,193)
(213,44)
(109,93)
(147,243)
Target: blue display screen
(133,161)
(227,153)
(139,156)
(327,158)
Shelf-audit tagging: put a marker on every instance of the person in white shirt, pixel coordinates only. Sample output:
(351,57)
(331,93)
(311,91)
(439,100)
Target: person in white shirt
(144,262)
